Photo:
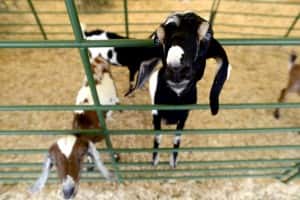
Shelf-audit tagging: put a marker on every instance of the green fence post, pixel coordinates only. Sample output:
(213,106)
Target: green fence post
(213,11)
(85,59)
(292,25)
(37,19)
(126,17)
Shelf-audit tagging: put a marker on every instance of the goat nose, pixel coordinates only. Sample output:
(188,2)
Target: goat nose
(68,193)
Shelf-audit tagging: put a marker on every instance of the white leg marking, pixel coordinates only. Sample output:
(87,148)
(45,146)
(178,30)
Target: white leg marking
(93,151)
(40,183)
(66,145)
(152,88)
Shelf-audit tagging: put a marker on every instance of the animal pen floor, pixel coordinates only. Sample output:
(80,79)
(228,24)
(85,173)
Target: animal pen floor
(53,76)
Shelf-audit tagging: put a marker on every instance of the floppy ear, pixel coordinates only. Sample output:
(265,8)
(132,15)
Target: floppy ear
(41,181)
(96,156)
(159,35)
(216,51)
(145,71)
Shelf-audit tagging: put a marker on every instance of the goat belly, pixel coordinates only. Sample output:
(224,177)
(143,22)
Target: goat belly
(172,116)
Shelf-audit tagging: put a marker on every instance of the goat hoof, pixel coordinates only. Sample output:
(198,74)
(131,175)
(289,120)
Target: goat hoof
(173,162)
(276,115)
(155,161)
(129,93)
(90,169)
(117,157)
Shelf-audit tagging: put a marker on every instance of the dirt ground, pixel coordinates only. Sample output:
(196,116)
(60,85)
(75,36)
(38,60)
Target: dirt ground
(53,76)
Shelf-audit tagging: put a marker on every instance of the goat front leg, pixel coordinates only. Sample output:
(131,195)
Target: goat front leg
(131,82)
(176,143)
(157,139)
(281,99)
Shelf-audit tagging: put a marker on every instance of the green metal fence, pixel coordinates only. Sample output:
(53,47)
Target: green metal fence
(281,168)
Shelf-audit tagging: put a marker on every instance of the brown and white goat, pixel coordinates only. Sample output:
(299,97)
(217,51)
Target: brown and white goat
(67,154)
(293,82)
(104,83)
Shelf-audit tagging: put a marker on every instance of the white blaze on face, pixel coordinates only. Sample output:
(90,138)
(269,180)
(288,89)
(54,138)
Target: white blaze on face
(152,88)
(175,55)
(66,145)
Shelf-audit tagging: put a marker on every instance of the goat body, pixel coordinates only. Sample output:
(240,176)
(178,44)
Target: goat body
(67,155)
(293,82)
(132,57)
(187,41)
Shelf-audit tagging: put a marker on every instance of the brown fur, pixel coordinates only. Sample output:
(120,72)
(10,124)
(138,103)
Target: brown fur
(72,165)
(87,120)
(293,83)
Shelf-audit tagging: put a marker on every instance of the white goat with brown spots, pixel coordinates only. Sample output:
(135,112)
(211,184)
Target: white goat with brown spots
(293,82)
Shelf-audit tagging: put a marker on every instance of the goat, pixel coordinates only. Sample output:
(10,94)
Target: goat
(107,95)
(104,83)
(67,155)
(187,41)
(293,82)
(68,152)
(132,57)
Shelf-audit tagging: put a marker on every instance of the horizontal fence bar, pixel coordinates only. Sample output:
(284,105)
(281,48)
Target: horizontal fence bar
(55,180)
(273,130)
(183,149)
(265,2)
(186,171)
(137,43)
(282,161)
(146,107)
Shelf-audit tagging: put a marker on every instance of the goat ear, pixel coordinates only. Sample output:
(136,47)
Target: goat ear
(202,30)
(41,181)
(159,35)
(217,51)
(95,154)
(145,71)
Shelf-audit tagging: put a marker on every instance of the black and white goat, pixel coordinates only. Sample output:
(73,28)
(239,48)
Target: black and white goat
(132,57)
(293,84)
(187,41)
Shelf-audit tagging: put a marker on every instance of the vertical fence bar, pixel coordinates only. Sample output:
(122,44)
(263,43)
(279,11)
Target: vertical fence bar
(37,19)
(292,25)
(85,59)
(125,2)
(213,11)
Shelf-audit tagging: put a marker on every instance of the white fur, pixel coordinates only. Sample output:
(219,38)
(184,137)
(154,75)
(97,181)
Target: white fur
(158,138)
(228,72)
(152,88)
(103,50)
(177,138)
(172,19)
(174,56)
(66,145)
(219,64)
(106,91)
(177,89)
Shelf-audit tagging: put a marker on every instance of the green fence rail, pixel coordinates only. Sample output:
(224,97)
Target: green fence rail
(221,28)
(284,169)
